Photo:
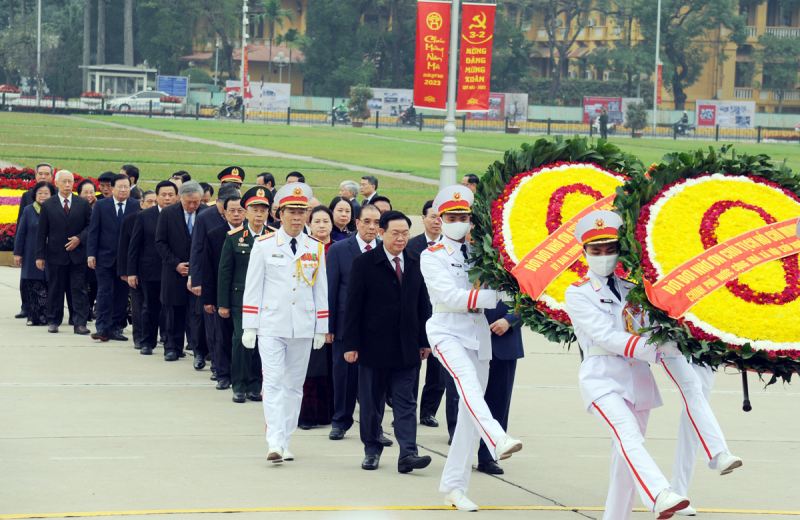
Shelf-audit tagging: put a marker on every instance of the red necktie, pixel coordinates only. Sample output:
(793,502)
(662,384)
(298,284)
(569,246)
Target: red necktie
(398,270)
(368,247)
(66,206)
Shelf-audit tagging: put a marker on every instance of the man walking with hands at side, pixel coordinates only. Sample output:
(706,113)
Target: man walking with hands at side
(286,306)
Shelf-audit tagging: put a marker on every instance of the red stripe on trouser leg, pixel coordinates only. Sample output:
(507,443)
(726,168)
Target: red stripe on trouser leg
(464,395)
(686,403)
(635,473)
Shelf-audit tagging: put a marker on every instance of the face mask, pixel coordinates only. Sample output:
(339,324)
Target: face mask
(455,230)
(602,265)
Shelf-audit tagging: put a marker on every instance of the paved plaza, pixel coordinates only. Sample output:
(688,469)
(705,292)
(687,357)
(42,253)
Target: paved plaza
(90,428)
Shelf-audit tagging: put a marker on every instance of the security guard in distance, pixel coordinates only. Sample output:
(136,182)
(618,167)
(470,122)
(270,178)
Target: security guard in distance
(231,174)
(286,307)
(245,363)
(616,383)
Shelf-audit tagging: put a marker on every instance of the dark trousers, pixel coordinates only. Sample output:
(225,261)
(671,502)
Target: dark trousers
(176,328)
(61,277)
(151,313)
(195,329)
(137,302)
(23,294)
(372,385)
(223,345)
(345,388)
(112,299)
(245,362)
(210,330)
(433,390)
(498,396)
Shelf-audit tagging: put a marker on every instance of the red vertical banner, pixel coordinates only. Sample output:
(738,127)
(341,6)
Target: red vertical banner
(658,93)
(475,61)
(433,46)
(246,94)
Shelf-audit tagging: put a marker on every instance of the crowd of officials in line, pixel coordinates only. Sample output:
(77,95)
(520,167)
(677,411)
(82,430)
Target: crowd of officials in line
(165,261)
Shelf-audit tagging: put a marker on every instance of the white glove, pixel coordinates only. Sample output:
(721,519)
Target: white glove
(319,341)
(249,338)
(505,296)
(669,347)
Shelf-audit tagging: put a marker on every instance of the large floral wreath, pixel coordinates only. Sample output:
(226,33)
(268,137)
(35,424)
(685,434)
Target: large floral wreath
(692,202)
(523,199)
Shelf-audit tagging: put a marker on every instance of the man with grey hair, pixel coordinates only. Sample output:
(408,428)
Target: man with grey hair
(203,339)
(44,173)
(174,231)
(349,189)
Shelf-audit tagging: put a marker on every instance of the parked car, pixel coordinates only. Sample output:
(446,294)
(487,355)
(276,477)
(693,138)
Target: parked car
(137,102)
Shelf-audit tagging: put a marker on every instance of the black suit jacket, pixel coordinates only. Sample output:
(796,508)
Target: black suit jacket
(123,248)
(26,200)
(55,228)
(143,258)
(212,251)
(339,261)
(385,320)
(174,245)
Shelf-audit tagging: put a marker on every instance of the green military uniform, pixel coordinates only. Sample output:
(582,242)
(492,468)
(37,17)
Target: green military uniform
(245,363)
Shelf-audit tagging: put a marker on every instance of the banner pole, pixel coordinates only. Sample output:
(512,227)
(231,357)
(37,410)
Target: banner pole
(449,164)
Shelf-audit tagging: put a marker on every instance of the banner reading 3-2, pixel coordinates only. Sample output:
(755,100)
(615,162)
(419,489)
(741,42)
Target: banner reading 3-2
(475,63)
(433,46)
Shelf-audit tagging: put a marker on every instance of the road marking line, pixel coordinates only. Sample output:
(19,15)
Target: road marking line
(97,458)
(357,508)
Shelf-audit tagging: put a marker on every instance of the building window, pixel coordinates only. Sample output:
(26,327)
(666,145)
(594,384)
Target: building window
(778,15)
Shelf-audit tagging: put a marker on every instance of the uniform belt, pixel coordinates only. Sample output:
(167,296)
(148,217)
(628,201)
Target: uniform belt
(598,351)
(440,307)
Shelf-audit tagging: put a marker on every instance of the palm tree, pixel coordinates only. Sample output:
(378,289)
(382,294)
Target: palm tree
(292,39)
(273,11)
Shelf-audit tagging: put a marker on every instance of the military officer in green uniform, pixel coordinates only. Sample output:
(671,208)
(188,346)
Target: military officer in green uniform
(245,363)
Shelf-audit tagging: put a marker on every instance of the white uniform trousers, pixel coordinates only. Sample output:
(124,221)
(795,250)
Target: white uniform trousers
(284,363)
(688,438)
(475,421)
(632,467)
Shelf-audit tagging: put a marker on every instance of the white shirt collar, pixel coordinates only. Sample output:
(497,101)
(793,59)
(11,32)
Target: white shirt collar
(263,230)
(428,239)
(455,246)
(363,245)
(371,196)
(392,257)
(118,202)
(62,199)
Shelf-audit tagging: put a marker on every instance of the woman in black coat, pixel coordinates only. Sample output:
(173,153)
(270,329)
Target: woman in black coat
(343,220)
(34,280)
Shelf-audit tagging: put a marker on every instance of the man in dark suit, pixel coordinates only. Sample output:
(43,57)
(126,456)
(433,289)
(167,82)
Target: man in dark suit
(123,250)
(340,260)
(435,374)
(61,242)
(44,173)
(132,173)
(173,242)
(348,190)
(144,264)
(104,232)
(368,188)
(202,322)
(387,306)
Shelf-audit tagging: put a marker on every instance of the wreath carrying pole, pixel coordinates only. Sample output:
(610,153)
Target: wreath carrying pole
(746,405)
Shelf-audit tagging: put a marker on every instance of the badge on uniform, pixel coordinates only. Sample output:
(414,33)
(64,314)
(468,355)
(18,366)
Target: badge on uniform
(596,285)
(456,265)
(275,255)
(604,300)
(241,239)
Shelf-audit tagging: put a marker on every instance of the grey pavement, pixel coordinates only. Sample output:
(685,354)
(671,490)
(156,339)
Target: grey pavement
(91,427)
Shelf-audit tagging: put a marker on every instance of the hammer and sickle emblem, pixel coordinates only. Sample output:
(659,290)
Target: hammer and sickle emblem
(480,22)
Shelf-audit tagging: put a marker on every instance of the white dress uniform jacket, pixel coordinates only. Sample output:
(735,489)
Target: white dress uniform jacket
(446,275)
(599,320)
(279,299)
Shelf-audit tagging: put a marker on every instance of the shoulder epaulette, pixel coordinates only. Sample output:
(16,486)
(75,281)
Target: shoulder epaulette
(235,230)
(581,281)
(436,247)
(631,280)
(272,228)
(315,239)
(264,237)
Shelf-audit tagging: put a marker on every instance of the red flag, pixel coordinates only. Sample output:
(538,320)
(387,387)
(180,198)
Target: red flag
(433,47)
(246,72)
(475,63)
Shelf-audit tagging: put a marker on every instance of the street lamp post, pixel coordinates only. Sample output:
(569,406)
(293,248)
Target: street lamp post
(281,62)
(655,78)
(449,164)
(216,61)
(245,23)
(38,51)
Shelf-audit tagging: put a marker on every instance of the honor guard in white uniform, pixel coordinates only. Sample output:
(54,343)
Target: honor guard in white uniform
(461,341)
(286,307)
(615,379)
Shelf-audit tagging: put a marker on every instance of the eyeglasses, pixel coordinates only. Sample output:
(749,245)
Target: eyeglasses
(433,218)
(398,234)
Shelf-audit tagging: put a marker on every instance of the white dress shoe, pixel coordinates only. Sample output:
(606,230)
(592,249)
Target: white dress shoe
(457,499)
(726,462)
(686,511)
(275,454)
(668,502)
(287,455)
(506,446)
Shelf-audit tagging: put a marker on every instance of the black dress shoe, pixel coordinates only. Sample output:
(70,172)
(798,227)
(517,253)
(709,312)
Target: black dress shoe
(336,434)
(371,462)
(52,328)
(171,356)
(386,442)
(146,351)
(101,335)
(117,336)
(21,315)
(182,354)
(213,375)
(429,420)
(81,330)
(223,384)
(239,397)
(199,363)
(412,462)
(304,426)
(137,346)
(254,396)
(490,468)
